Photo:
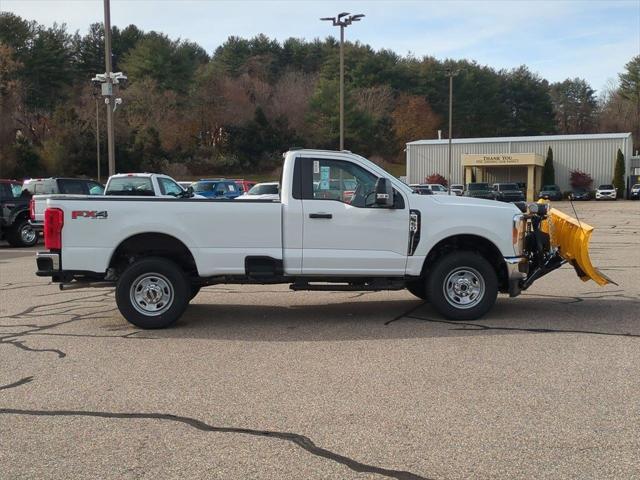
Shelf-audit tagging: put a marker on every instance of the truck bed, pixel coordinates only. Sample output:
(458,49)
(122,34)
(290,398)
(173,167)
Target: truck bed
(219,233)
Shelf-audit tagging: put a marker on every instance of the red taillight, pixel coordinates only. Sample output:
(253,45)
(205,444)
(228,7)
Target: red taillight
(32,209)
(53,223)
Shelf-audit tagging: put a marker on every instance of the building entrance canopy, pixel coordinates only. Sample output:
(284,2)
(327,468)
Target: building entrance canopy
(480,162)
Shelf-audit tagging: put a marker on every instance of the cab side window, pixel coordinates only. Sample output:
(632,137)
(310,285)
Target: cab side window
(169,187)
(342,181)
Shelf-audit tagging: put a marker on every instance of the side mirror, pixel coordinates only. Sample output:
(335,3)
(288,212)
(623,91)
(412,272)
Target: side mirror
(384,193)
(190,192)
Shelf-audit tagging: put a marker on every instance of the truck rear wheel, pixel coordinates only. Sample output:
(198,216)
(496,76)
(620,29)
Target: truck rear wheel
(462,286)
(153,293)
(418,288)
(22,234)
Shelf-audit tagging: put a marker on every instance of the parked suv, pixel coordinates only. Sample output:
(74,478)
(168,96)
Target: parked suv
(71,186)
(14,215)
(550,192)
(217,188)
(635,192)
(606,192)
(479,190)
(41,188)
(508,192)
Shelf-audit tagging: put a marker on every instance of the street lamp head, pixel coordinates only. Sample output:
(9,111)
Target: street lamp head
(343,14)
(356,18)
(328,19)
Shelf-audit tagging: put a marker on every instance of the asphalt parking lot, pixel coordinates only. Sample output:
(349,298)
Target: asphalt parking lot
(262,382)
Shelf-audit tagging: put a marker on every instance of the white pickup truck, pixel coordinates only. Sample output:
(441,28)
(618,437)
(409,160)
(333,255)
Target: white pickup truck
(457,252)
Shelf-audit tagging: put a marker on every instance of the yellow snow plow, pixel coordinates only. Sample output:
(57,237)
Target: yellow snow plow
(552,239)
(571,237)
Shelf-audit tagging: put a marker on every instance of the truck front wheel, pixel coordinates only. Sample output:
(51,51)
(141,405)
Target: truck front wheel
(153,293)
(462,286)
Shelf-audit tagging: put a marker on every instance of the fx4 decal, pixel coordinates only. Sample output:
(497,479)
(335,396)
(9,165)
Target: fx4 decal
(89,214)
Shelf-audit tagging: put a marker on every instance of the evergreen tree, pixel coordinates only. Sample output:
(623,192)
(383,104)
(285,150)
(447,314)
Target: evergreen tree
(548,173)
(618,175)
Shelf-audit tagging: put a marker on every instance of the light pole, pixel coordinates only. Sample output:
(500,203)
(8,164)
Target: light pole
(106,81)
(109,87)
(342,22)
(98,138)
(450,73)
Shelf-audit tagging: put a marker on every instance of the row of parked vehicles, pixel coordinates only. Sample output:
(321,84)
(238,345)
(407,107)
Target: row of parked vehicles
(22,204)
(515,192)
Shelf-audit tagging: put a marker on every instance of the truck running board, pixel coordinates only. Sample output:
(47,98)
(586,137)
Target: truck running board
(372,286)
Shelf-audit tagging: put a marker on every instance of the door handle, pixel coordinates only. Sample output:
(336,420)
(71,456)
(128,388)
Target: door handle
(320,215)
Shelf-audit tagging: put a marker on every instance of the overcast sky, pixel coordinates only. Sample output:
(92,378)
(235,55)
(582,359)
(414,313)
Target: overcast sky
(557,39)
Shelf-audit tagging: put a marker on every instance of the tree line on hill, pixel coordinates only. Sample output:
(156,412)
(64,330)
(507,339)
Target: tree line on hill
(187,112)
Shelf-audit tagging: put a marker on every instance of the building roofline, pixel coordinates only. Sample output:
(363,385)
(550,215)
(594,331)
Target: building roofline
(539,138)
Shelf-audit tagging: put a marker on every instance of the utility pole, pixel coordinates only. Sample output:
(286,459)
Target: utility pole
(104,82)
(450,73)
(98,136)
(342,22)
(107,88)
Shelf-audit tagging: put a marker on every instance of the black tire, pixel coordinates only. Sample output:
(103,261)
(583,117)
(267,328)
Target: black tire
(153,293)
(418,288)
(459,277)
(22,234)
(195,289)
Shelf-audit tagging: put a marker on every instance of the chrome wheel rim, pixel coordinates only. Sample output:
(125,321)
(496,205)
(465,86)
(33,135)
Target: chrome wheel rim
(151,294)
(27,234)
(464,288)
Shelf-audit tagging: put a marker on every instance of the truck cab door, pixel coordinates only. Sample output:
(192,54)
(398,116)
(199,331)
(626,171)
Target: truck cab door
(344,231)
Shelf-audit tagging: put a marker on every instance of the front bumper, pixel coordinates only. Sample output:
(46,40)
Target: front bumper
(517,270)
(605,196)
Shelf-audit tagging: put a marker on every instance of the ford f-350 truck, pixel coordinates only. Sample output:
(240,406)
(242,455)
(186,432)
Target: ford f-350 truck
(456,252)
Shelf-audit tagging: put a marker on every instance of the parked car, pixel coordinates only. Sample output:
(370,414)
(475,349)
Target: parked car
(144,185)
(262,191)
(436,188)
(550,192)
(217,188)
(580,194)
(185,185)
(606,192)
(244,185)
(421,190)
(479,190)
(14,215)
(508,192)
(457,252)
(457,188)
(635,192)
(43,188)
(339,189)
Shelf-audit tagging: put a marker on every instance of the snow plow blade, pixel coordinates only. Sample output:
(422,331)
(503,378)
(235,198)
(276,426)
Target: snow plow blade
(571,237)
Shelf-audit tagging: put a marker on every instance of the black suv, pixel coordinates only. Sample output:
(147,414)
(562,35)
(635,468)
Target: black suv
(14,215)
(508,192)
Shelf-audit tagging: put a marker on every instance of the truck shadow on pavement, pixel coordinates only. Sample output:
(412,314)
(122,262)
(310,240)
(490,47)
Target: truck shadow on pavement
(611,315)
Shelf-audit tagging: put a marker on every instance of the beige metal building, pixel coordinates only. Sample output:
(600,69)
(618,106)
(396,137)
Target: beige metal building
(519,159)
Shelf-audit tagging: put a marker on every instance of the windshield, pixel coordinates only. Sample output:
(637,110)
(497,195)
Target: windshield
(508,186)
(605,187)
(437,188)
(130,186)
(550,187)
(478,186)
(263,189)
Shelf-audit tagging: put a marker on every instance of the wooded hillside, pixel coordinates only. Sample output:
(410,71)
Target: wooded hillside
(190,112)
